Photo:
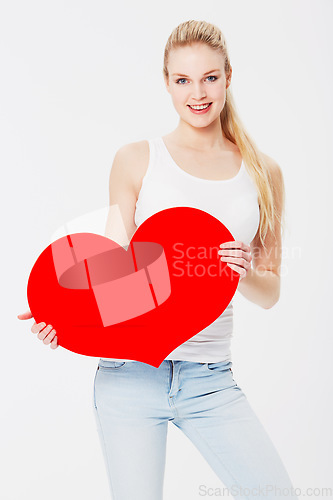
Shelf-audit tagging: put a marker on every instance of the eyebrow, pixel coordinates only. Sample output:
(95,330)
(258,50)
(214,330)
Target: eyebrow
(211,71)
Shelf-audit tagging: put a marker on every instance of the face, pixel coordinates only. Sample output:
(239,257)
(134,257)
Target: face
(196,76)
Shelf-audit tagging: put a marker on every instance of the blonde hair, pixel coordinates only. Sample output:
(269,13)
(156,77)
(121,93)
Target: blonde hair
(190,32)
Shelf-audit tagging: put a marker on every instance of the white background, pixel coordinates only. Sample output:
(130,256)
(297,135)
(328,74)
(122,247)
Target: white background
(78,80)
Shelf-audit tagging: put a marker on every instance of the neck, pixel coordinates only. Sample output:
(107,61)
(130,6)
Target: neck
(200,139)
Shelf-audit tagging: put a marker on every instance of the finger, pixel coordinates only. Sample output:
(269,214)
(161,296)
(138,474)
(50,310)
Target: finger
(54,343)
(47,340)
(238,269)
(233,244)
(236,253)
(238,261)
(42,334)
(25,315)
(37,327)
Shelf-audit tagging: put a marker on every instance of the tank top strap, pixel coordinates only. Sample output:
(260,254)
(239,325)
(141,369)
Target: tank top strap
(152,150)
(158,166)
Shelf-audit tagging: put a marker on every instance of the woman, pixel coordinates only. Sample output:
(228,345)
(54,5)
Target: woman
(208,162)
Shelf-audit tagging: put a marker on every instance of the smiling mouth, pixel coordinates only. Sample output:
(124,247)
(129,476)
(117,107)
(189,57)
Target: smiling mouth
(194,106)
(198,107)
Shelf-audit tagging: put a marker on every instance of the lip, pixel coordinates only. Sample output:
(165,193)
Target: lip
(200,111)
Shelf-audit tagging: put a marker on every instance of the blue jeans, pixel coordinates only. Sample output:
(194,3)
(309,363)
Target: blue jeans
(133,403)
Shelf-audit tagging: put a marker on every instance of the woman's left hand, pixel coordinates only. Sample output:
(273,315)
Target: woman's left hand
(237,255)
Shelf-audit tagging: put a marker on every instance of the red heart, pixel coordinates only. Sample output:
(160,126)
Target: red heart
(170,289)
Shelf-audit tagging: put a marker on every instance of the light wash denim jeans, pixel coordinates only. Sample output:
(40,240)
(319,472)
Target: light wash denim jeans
(133,403)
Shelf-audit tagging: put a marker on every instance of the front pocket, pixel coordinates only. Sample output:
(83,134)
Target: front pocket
(110,365)
(219,366)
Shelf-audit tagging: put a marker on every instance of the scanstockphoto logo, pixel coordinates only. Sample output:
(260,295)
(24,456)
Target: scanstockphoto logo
(108,221)
(274,254)
(269,490)
(192,260)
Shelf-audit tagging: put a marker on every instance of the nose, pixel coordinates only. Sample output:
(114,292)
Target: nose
(199,92)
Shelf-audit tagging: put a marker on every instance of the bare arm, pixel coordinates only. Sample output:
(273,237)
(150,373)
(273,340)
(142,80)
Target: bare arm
(262,283)
(120,225)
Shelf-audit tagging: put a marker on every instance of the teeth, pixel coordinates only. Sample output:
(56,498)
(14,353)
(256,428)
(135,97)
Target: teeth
(203,106)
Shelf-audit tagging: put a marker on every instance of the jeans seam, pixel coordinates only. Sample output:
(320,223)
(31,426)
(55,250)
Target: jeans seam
(207,444)
(104,445)
(94,394)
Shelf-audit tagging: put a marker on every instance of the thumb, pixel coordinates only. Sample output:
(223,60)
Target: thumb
(26,315)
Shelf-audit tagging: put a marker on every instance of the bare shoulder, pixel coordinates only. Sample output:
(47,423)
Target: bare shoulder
(133,159)
(274,169)
(133,150)
(277,181)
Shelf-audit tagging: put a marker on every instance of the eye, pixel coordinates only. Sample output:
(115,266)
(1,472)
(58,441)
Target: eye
(177,81)
(211,76)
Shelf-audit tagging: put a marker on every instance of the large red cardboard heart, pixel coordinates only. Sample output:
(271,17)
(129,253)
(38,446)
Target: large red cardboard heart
(165,288)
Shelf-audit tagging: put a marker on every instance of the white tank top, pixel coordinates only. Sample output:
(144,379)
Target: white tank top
(233,201)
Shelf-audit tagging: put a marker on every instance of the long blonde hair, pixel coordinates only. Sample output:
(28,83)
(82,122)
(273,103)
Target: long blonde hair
(190,32)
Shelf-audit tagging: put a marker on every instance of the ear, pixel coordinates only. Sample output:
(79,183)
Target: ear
(229,77)
(166,81)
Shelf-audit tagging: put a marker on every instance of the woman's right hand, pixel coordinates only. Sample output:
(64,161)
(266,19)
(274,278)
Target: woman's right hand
(45,333)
